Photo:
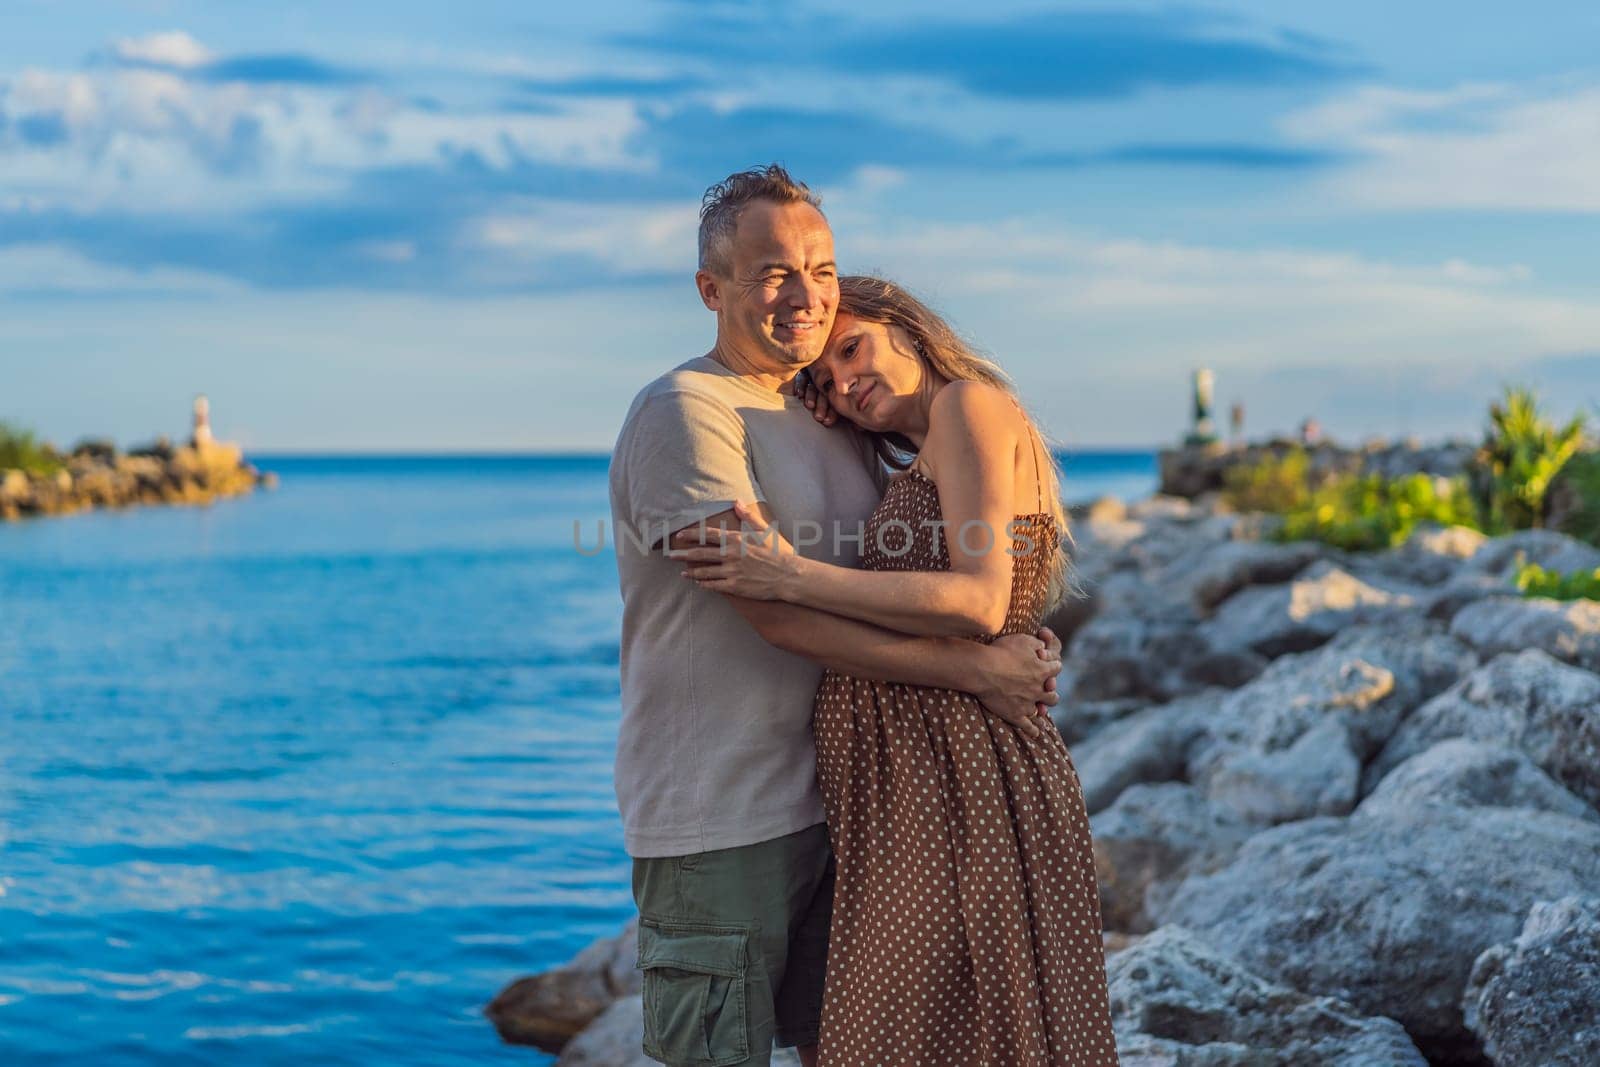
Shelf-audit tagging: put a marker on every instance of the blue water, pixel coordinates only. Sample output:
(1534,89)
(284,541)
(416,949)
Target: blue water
(308,776)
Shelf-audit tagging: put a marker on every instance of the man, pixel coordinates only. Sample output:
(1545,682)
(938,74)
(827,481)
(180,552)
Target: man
(715,772)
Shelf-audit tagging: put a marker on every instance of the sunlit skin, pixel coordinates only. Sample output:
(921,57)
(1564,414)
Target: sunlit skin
(776,305)
(870,373)
(971,439)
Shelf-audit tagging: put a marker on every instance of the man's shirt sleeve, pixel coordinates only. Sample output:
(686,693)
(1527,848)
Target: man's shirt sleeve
(687,459)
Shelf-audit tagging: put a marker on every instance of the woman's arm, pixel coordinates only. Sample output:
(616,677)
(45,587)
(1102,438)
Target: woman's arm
(974,432)
(1014,677)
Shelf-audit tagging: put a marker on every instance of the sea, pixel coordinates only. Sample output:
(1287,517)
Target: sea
(306,777)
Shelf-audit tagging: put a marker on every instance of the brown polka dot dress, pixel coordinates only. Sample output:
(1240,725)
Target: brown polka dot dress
(966,918)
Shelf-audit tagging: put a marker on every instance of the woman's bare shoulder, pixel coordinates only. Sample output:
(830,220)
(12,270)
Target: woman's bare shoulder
(973,408)
(970,421)
(973,401)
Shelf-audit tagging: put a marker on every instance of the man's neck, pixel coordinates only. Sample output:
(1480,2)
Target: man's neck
(761,374)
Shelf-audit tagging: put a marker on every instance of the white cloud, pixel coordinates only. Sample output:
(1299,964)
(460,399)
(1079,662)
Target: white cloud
(1031,286)
(1474,147)
(589,133)
(174,49)
(627,240)
(867,183)
(143,139)
(533,59)
(37,267)
(1100,335)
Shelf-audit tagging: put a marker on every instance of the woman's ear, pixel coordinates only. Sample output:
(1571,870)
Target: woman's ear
(904,341)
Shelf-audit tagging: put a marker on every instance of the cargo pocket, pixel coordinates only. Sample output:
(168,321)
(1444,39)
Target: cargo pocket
(694,992)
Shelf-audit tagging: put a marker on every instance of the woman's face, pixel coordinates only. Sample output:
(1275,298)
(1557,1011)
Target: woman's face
(869,371)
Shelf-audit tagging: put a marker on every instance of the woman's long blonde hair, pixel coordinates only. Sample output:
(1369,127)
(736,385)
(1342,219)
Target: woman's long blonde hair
(945,353)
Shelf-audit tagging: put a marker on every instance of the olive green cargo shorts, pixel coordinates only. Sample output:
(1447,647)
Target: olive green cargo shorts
(733,944)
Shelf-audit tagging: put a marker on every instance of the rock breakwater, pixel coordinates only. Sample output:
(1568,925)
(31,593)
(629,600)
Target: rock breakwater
(1189,470)
(97,475)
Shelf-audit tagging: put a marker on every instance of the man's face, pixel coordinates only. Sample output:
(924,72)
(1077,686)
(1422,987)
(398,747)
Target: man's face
(779,302)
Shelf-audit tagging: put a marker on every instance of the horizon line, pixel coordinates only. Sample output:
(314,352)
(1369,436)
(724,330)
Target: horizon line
(552,453)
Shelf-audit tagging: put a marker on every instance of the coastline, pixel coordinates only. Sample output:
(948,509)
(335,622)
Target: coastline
(99,476)
(1345,804)
(429,589)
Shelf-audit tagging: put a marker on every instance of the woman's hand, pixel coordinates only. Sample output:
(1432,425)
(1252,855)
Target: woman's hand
(1019,685)
(755,563)
(805,388)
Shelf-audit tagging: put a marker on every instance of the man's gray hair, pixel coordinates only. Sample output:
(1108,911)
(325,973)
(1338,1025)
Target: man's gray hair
(720,208)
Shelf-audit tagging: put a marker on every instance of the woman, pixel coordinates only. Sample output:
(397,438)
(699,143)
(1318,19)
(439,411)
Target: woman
(966,923)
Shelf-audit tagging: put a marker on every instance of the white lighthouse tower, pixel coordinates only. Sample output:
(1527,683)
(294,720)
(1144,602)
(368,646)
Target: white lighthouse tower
(202,438)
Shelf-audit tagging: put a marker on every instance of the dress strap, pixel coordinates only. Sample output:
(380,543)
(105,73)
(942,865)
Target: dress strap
(1033,446)
(1038,469)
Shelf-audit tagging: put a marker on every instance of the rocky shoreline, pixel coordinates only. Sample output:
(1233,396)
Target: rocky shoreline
(1190,470)
(1345,806)
(1369,778)
(97,475)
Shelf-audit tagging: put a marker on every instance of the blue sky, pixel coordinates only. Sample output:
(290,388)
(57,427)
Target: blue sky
(397,226)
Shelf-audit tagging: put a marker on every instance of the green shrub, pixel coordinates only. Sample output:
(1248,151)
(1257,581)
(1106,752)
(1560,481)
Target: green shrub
(1351,511)
(22,450)
(1275,484)
(1521,454)
(1369,512)
(1534,580)
(1576,493)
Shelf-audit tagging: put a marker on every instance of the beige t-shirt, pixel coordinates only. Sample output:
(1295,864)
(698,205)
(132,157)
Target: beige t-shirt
(715,744)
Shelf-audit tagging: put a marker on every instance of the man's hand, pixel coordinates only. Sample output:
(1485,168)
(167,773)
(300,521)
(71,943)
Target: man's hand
(813,398)
(1019,682)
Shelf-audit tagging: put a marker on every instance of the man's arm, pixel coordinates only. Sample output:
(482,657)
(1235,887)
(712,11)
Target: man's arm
(1014,678)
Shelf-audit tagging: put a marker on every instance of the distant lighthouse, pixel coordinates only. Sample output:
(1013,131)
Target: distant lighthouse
(202,423)
(1200,429)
